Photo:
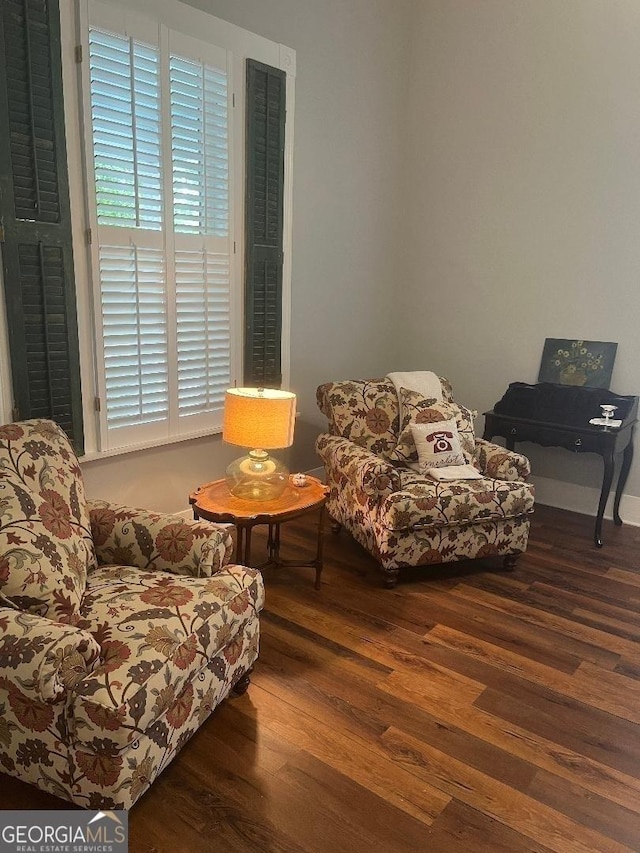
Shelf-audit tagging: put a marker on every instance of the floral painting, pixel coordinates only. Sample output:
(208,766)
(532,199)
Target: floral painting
(573,362)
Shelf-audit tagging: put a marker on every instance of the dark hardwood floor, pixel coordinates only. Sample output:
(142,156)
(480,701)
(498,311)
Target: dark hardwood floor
(466,710)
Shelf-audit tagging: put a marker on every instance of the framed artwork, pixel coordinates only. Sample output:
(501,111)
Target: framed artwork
(571,362)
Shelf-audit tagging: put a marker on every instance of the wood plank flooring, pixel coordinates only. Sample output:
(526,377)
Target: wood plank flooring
(467,710)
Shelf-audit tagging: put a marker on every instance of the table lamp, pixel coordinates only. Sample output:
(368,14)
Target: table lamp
(263,419)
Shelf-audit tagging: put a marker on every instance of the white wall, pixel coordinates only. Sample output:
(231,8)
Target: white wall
(523,188)
(350,109)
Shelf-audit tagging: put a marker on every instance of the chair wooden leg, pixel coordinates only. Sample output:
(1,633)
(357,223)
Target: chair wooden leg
(391,578)
(242,683)
(509,562)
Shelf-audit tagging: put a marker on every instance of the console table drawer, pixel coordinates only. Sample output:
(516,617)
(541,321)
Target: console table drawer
(579,442)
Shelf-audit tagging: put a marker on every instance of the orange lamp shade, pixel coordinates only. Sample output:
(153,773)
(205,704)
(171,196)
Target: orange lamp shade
(259,417)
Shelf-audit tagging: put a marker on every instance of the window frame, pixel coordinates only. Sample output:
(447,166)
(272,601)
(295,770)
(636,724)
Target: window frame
(196,24)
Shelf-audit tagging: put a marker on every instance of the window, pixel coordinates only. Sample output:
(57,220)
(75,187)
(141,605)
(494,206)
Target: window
(161,145)
(165,163)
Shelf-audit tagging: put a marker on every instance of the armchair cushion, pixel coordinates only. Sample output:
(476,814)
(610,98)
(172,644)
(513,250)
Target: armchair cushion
(156,631)
(149,540)
(422,410)
(366,412)
(43,567)
(45,540)
(44,659)
(422,502)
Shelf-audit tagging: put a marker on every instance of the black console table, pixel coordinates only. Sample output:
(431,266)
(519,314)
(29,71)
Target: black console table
(558,416)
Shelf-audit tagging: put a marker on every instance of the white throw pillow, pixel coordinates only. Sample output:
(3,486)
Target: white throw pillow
(438,444)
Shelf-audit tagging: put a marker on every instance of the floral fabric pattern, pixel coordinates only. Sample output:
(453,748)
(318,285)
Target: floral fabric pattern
(369,474)
(446,544)
(51,656)
(427,410)
(366,412)
(39,740)
(423,502)
(404,518)
(45,537)
(499,463)
(156,631)
(98,697)
(149,540)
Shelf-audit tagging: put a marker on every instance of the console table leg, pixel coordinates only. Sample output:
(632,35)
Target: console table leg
(604,494)
(627,458)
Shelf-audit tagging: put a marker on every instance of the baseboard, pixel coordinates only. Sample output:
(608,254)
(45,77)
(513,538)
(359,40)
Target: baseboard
(583,499)
(319,473)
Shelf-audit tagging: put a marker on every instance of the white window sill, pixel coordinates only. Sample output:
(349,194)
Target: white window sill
(95,455)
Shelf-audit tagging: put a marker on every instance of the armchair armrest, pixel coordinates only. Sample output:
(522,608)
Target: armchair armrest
(363,469)
(499,463)
(127,536)
(43,659)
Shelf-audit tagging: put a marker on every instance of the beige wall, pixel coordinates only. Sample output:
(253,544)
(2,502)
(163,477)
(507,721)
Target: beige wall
(524,195)
(349,117)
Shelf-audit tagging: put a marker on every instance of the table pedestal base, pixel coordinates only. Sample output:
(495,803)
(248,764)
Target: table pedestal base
(243,548)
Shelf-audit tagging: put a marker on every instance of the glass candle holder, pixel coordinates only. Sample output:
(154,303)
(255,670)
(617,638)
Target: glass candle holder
(607,411)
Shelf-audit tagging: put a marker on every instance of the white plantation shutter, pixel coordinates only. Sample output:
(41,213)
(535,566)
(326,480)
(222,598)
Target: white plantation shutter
(199,148)
(125,113)
(160,139)
(203,321)
(134,335)
(200,174)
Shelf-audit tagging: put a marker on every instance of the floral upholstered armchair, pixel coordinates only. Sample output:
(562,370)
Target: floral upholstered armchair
(120,629)
(399,514)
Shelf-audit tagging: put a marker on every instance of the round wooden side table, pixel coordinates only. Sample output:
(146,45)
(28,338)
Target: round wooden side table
(214,502)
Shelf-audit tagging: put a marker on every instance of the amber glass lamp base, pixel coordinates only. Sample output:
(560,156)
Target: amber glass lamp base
(257,477)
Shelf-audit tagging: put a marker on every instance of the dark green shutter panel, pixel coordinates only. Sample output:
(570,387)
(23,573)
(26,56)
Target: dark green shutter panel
(266,89)
(34,207)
